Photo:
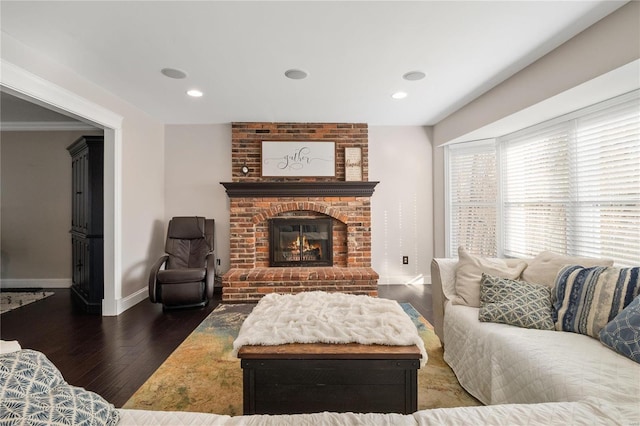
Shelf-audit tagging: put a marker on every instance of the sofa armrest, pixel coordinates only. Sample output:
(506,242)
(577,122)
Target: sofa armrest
(437,299)
(442,287)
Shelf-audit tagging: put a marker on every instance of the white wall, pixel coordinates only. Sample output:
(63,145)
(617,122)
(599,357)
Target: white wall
(401,206)
(142,200)
(198,158)
(607,45)
(135,159)
(35,201)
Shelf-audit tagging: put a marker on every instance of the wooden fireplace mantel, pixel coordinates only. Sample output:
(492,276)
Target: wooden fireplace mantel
(299,189)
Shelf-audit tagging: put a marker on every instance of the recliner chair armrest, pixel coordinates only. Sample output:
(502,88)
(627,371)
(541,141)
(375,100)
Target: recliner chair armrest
(211,275)
(153,275)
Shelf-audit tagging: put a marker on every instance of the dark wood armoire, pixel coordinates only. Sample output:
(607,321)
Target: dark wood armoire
(87,218)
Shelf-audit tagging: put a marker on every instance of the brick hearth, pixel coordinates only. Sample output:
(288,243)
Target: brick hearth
(254,200)
(248,283)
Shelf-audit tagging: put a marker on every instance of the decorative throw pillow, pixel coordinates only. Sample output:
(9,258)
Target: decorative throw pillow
(469,273)
(544,268)
(586,299)
(517,303)
(622,334)
(33,391)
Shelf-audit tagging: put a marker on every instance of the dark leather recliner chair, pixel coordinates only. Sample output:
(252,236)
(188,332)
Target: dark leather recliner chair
(189,274)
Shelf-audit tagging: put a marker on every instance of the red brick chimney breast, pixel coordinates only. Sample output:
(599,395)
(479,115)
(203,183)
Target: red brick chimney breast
(250,276)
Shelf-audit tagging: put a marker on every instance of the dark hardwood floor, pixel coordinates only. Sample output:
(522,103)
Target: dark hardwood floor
(113,356)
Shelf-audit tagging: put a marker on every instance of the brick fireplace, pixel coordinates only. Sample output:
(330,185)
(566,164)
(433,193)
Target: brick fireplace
(255,200)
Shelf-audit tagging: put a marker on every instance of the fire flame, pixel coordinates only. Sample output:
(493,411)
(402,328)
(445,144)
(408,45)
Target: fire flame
(306,246)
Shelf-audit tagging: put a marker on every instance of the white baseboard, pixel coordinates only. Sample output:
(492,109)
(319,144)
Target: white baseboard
(404,280)
(132,300)
(35,283)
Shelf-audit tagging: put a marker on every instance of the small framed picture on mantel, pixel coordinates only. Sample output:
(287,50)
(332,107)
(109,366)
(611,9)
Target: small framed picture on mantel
(353,164)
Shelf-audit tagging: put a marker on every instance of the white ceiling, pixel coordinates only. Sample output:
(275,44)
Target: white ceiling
(355,53)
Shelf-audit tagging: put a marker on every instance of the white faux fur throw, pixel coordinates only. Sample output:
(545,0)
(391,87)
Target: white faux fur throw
(320,317)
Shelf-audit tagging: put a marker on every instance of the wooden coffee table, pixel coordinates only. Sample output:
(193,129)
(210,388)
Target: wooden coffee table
(309,378)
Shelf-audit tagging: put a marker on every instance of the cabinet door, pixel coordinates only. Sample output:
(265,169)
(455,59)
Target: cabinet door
(81,268)
(80,191)
(75,193)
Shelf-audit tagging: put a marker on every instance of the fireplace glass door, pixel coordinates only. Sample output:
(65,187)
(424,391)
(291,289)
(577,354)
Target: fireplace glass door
(300,242)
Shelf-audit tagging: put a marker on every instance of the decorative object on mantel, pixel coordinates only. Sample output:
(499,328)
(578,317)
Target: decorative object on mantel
(302,189)
(244,169)
(298,159)
(353,164)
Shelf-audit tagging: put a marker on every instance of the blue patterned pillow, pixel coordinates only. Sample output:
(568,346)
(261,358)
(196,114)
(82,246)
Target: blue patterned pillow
(622,334)
(586,299)
(32,391)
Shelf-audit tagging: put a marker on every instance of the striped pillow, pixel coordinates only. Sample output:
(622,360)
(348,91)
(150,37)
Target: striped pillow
(586,299)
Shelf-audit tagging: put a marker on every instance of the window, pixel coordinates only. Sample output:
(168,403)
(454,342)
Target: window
(535,192)
(606,200)
(570,185)
(472,193)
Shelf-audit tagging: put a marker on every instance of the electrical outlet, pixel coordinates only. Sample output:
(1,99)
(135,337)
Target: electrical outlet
(405,260)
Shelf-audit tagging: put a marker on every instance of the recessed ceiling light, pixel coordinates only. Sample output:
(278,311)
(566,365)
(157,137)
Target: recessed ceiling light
(195,93)
(296,74)
(414,75)
(399,95)
(173,73)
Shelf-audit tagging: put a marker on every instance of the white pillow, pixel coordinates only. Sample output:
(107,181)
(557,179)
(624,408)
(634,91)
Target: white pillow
(469,274)
(8,346)
(544,268)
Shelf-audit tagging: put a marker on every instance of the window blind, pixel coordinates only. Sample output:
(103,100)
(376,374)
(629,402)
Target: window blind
(570,185)
(606,201)
(573,186)
(536,191)
(472,182)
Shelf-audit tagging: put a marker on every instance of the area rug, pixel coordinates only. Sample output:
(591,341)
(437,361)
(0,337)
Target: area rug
(10,300)
(202,376)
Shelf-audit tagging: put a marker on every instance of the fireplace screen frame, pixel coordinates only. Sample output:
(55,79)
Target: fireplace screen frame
(274,228)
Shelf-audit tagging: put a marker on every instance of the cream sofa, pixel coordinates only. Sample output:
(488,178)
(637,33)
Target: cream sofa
(504,364)
(32,391)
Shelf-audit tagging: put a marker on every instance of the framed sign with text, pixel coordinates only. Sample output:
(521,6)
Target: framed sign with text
(353,164)
(298,159)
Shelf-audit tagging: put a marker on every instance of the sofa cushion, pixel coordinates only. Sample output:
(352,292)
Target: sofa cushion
(586,299)
(622,334)
(469,273)
(517,303)
(544,268)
